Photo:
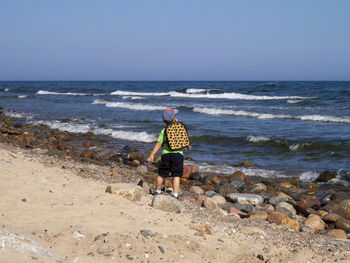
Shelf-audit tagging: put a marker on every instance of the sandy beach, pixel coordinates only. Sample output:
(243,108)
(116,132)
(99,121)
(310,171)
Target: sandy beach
(73,218)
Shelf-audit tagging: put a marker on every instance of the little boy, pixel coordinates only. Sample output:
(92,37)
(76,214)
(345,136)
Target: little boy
(171,163)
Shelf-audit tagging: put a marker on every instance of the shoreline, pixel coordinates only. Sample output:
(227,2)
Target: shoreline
(64,204)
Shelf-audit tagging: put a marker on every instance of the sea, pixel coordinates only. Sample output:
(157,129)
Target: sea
(287,128)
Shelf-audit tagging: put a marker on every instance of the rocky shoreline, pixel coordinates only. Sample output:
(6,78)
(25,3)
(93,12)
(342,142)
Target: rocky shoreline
(285,215)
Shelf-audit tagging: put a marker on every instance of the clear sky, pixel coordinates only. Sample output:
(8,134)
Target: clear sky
(175,40)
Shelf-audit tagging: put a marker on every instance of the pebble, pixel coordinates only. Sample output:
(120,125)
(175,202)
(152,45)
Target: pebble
(146,233)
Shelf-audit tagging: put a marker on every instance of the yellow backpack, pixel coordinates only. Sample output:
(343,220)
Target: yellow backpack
(177,136)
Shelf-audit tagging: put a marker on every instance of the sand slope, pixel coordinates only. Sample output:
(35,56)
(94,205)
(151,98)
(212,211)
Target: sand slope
(74,219)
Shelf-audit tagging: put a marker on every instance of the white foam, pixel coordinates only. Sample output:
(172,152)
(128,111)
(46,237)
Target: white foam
(193,91)
(293,101)
(132,97)
(7,89)
(212,111)
(131,106)
(324,118)
(18,115)
(252,138)
(22,96)
(308,176)
(235,96)
(132,93)
(84,128)
(227,170)
(44,92)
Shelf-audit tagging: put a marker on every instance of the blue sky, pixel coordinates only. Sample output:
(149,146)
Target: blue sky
(175,40)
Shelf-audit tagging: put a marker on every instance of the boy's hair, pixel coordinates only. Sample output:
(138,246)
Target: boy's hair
(168,115)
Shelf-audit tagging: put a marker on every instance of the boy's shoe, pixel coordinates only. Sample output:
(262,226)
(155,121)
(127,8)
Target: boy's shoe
(154,192)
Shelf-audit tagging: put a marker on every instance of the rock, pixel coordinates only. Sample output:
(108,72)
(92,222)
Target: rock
(137,156)
(236,211)
(232,185)
(142,169)
(342,223)
(87,154)
(311,186)
(146,233)
(346,205)
(88,144)
(202,228)
(129,150)
(293,224)
(189,170)
(251,198)
(290,209)
(245,163)
(277,199)
(196,191)
(315,223)
(190,200)
(106,251)
(167,204)
(337,233)
(24,245)
(276,217)
(246,208)
(237,174)
(184,181)
(330,218)
(296,183)
(262,215)
(326,176)
(220,200)
(210,203)
(128,191)
(256,188)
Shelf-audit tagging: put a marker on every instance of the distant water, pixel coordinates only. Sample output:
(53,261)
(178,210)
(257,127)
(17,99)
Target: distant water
(286,128)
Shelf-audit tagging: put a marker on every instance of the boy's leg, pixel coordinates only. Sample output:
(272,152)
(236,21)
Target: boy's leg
(159,183)
(176,186)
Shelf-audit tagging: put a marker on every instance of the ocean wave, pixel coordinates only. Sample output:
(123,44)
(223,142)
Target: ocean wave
(18,115)
(316,118)
(45,92)
(252,138)
(293,101)
(22,96)
(193,91)
(196,93)
(133,93)
(228,169)
(131,106)
(6,89)
(235,96)
(85,127)
(132,97)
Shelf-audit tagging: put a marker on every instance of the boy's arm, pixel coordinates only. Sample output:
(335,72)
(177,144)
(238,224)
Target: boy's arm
(150,158)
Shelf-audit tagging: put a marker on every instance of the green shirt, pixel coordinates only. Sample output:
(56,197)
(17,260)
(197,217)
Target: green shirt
(166,149)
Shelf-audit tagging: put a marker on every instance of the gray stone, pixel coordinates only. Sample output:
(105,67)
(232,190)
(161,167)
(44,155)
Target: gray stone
(128,191)
(106,251)
(246,208)
(167,204)
(278,199)
(146,233)
(251,198)
(210,203)
(233,185)
(256,188)
(210,193)
(142,169)
(292,213)
(196,190)
(220,200)
(24,245)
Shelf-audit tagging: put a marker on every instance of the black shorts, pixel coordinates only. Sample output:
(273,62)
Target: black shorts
(171,164)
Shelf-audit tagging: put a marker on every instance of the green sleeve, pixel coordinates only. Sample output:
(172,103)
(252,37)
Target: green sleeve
(161,136)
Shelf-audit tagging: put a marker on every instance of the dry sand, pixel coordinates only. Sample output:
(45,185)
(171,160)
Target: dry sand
(75,220)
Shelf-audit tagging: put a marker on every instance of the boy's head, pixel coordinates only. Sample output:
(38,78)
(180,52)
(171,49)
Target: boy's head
(168,115)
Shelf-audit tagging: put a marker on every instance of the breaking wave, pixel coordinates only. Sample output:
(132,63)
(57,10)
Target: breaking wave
(319,118)
(84,128)
(45,92)
(130,106)
(196,93)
